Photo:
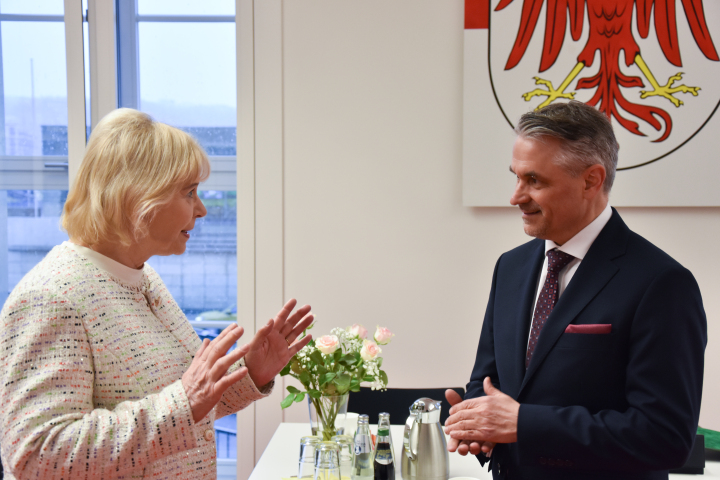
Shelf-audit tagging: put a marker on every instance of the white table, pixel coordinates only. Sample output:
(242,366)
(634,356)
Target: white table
(279,460)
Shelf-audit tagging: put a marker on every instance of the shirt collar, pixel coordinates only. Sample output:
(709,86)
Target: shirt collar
(116,269)
(579,245)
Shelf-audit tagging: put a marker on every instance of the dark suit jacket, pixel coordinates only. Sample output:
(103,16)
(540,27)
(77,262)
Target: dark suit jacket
(617,405)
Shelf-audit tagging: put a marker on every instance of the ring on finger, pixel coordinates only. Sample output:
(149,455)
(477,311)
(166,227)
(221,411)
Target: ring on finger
(288,342)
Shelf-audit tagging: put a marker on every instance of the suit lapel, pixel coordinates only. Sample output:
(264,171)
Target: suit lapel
(594,272)
(523,312)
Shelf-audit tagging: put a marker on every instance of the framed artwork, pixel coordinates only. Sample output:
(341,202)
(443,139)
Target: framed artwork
(651,66)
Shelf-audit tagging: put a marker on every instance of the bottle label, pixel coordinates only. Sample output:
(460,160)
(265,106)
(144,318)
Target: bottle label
(384,455)
(363,446)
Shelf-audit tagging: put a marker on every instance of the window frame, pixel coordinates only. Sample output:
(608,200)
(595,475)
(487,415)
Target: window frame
(105,91)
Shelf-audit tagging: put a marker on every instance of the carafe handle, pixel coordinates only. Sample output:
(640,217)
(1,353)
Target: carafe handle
(409,424)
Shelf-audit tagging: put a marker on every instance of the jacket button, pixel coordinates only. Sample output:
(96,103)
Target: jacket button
(543,461)
(209,435)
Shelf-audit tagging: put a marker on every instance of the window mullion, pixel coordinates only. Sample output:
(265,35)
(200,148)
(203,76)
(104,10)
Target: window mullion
(75,61)
(103,59)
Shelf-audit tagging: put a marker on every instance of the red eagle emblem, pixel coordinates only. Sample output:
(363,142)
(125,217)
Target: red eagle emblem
(611,38)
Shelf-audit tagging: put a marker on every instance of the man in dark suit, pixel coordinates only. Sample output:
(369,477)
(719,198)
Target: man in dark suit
(590,361)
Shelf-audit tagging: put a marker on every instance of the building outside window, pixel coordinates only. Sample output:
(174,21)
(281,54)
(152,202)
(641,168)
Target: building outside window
(33,135)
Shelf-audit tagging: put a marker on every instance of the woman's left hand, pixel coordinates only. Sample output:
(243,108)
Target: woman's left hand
(272,347)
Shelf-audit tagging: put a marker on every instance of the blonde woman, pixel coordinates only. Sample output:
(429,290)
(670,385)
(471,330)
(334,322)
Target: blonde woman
(102,375)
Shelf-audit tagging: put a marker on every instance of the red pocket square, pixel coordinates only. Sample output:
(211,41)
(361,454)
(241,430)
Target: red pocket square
(594,328)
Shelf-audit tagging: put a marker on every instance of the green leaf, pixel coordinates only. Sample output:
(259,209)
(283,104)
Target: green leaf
(368,378)
(304,378)
(328,377)
(314,394)
(317,357)
(299,397)
(337,354)
(379,362)
(348,360)
(355,388)
(321,370)
(383,377)
(288,401)
(292,389)
(342,381)
(286,369)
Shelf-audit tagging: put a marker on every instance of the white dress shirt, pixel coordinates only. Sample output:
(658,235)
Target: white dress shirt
(578,247)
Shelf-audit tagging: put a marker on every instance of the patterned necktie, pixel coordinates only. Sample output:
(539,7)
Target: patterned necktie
(557,260)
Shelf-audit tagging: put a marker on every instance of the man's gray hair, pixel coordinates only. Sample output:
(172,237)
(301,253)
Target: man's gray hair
(586,134)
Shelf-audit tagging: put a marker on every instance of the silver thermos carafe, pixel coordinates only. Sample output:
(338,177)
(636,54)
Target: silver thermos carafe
(424,453)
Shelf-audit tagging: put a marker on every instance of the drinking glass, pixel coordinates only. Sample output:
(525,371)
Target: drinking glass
(327,461)
(346,445)
(306,464)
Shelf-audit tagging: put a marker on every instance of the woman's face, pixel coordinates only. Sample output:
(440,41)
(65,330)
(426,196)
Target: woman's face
(169,230)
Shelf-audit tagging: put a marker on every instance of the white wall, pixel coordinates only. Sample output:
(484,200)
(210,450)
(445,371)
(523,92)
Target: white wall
(372,223)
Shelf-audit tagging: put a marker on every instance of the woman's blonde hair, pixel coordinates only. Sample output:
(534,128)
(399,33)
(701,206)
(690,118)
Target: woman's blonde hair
(131,166)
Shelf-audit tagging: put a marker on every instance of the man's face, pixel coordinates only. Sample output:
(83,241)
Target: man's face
(552,202)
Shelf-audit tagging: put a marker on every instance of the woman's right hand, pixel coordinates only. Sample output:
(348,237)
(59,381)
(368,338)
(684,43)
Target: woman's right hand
(205,381)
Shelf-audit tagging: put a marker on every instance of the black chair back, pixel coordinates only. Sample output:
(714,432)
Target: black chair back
(396,402)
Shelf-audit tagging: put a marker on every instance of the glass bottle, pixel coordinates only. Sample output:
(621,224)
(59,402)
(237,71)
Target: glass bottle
(362,468)
(384,463)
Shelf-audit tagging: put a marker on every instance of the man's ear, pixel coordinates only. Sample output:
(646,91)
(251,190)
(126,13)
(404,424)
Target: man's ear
(594,177)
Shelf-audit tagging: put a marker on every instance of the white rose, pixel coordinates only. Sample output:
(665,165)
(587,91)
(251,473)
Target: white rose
(327,344)
(370,350)
(358,331)
(383,335)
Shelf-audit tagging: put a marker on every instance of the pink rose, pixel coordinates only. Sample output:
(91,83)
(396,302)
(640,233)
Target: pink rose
(327,344)
(370,350)
(358,330)
(383,335)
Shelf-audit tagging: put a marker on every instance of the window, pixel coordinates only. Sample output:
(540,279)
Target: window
(176,62)
(33,135)
(179,67)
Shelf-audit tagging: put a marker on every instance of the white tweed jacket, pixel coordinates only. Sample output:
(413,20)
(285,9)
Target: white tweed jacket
(90,378)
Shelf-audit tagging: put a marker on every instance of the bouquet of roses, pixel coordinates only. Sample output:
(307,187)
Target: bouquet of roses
(338,363)
(334,365)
